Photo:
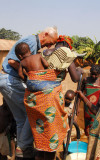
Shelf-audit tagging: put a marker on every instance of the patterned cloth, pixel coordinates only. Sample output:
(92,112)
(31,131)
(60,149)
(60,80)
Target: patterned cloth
(92,93)
(67,39)
(93,151)
(61,58)
(45,110)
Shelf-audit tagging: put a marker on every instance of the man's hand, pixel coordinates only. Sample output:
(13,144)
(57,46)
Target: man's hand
(13,63)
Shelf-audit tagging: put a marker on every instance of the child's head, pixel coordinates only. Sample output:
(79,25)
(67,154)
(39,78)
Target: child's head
(95,71)
(69,96)
(22,49)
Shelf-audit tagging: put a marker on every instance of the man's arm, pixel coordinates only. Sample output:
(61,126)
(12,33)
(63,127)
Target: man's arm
(13,63)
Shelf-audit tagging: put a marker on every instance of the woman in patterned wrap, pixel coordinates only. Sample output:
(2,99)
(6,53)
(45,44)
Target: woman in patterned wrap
(44,100)
(91,88)
(93,150)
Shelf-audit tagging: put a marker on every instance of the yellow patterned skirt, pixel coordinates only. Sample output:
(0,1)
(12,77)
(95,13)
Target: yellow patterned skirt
(45,110)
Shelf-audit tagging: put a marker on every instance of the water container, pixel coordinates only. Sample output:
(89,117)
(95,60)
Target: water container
(75,156)
(79,146)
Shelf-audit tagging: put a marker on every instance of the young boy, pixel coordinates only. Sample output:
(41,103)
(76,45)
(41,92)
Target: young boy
(69,97)
(28,62)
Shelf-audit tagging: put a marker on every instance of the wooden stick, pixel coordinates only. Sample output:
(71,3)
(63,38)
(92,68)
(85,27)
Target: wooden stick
(72,119)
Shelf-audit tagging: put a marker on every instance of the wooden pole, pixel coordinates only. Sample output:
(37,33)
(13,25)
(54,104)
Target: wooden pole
(72,120)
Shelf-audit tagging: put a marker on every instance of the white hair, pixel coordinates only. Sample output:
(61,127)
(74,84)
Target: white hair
(52,31)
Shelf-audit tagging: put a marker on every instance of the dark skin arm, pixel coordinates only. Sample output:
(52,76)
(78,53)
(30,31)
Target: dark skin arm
(44,62)
(16,65)
(22,72)
(88,103)
(83,85)
(13,63)
(74,73)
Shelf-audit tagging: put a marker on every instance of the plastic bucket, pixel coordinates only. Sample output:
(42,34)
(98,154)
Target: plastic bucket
(79,146)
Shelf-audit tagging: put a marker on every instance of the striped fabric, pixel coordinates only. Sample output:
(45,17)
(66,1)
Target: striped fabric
(61,58)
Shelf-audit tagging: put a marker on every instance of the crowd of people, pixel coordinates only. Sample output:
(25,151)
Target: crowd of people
(30,83)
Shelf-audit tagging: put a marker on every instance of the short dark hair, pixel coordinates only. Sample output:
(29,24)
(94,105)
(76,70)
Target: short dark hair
(70,92)
(95,68)
(21,48)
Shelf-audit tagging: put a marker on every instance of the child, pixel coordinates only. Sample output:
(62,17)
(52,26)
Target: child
(69,97)
(28,62)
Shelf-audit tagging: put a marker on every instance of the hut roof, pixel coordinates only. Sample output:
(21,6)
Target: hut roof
(6,45)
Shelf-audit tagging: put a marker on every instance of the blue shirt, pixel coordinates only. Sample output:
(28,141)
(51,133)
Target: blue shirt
(34,47)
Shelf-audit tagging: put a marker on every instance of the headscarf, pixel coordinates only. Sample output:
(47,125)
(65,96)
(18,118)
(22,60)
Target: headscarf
(67,39)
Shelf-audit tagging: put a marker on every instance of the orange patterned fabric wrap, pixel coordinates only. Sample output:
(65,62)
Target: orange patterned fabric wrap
(45,110)
(49,74)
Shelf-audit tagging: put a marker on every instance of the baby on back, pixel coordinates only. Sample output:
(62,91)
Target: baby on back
(28,62)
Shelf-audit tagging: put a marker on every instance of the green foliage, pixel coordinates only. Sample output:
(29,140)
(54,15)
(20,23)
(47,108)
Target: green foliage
(82,44)
(96,53)
(86,45)
(97,47)
(8,34)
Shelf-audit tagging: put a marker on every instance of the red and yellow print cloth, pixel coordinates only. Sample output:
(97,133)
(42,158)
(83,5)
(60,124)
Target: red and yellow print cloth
(45,110)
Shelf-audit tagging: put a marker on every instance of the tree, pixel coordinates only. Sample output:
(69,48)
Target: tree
(9,34)
(96,53)
(83,44)
(86,45)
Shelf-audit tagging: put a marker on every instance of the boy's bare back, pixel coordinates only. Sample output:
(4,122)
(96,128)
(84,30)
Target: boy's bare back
(31,63)
(34,63)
